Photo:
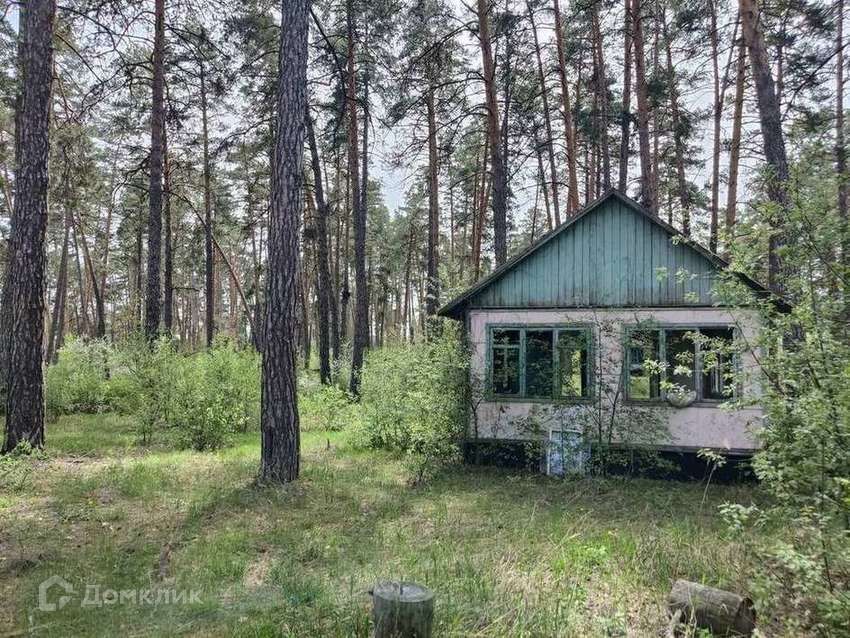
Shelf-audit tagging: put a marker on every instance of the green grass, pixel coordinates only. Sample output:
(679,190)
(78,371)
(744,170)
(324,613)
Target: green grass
(508,554)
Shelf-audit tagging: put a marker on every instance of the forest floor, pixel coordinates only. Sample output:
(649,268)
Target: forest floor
(194,548)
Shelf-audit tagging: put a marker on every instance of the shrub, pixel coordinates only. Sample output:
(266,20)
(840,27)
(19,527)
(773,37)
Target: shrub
(415,400)
(149,375)
(325,407)
(199,400)
(78,381)
(233,374)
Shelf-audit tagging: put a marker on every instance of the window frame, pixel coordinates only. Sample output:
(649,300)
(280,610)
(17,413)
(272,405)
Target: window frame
(556,328)
(662,329)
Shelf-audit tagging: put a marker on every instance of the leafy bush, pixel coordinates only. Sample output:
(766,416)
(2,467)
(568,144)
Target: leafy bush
(217,394)
(199,400)
(325,407)
(78,381)
(801,574)
(415,400)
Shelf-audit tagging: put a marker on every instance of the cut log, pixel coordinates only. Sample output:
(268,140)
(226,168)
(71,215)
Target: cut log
(402,610)
(720,611)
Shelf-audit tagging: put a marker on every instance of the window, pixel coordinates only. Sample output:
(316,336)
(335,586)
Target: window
(540,362)
(506,361)
(573,378)
(699,360)
(718,369)
(681,359)
(644,380)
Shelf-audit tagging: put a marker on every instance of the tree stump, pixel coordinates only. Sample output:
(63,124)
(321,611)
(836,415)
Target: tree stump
(720,611)
(402,610)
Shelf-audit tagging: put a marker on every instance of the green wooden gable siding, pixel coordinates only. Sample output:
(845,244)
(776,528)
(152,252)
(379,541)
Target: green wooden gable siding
(612,253)
(611,257)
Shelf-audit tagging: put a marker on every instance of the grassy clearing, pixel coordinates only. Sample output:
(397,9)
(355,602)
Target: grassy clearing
(508,554)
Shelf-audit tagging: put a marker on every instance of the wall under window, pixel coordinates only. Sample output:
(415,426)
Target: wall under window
(541,373)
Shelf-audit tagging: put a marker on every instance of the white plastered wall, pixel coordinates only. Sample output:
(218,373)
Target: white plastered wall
(691,428)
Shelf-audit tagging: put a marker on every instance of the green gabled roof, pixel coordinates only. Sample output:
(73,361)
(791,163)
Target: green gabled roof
(606,255)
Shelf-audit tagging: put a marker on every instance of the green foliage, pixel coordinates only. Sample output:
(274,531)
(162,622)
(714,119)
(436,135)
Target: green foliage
(78,381)
(324,407)
(16,467)
(805,461)
(198,400)
(414,399)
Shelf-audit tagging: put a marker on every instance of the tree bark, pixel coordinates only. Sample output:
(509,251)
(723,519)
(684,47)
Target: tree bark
(209,256)
(678,142)
(647,192)
(770,118)
(499,177)
(168,250)
(153,295)
(432,294)
(720,611)
(718,115)
(100,311)
(547,120)
(24,290)
(625,113)
(601,86)
(735,145)
(361,294)
(569,129)
(280,432)
(54,340)
(325,298)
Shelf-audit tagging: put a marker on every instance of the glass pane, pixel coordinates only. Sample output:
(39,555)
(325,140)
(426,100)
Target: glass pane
(538,363)
(644,383)
(505,369)
(506,337)
(572,364)
(717,370)
(506,361)
(681,359)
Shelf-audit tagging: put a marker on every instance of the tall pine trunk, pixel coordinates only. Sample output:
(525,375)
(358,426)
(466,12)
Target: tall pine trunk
(735,143)
(601,99)
(625,113)
(361,294)
(547,120)
(280,432)
(840,148)
(678,141)
(432,294)
(209,257)
(153,293)
(24,289)
(770,118)
(647,191)
(718,115)
(168,251)
(324,292)
(499,177)
(569,129)
(57,322)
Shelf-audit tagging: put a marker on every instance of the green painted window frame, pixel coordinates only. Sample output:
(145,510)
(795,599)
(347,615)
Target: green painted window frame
(556,328)
(662,329)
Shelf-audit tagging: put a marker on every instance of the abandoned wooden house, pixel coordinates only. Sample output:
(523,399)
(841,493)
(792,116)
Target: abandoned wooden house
(609,331)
